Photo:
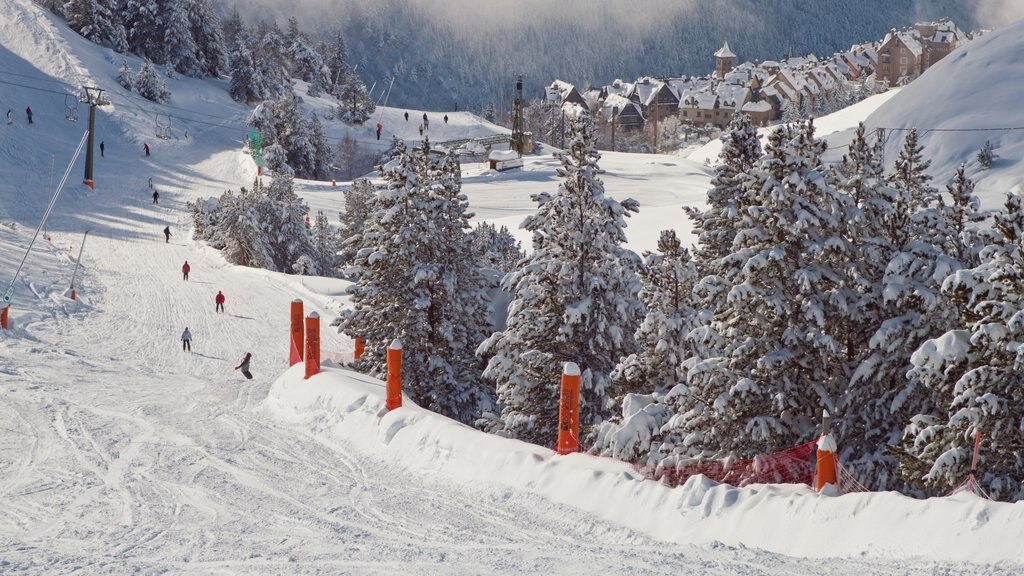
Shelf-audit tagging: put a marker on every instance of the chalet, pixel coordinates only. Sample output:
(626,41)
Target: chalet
(624,112)
(899,57)
(724,59)
(561,92)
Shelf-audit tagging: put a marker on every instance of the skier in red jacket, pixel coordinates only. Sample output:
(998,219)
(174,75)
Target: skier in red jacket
(220,301)
(185,269)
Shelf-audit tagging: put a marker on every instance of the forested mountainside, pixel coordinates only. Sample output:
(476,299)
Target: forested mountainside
(443,54)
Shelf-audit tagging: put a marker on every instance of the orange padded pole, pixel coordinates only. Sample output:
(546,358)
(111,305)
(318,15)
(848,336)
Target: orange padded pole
(827,472)
(3,318)
(394,382)
(312,344)
(360,348)
(569,410)
(295,351)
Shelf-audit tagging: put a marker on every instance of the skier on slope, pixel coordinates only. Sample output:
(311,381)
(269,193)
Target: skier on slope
(186,340)
(220,301)
(102,148)
(185,269)
(244,366)
(379,128)
(10,119)
(445,118)
(28,112)
(145,146)
(167,233)
(156,197)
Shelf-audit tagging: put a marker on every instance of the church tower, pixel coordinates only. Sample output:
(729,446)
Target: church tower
(723,60)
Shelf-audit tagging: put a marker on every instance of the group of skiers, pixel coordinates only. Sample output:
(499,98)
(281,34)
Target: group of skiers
(186,336)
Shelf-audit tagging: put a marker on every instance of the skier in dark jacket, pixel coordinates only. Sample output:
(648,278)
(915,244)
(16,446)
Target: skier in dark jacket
(167,233)
(145,146)
(244,366)
(445,118)
(406,116)
(156,197)
(28,112)
(102,148)
(186,340)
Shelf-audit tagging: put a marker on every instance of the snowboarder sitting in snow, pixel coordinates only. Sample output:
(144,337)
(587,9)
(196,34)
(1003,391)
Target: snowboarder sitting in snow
(186,340)
(244,366)
(185,269)
(220,301)
(167,233)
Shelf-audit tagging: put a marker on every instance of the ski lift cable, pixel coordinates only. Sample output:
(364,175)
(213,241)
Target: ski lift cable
(49,208)
(381,112)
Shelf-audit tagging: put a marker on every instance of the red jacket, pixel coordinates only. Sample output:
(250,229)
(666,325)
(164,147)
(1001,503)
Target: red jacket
(186,268)
(220,298)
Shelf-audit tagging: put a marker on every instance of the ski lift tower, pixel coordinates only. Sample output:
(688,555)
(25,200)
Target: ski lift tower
(93,97)
(518,121)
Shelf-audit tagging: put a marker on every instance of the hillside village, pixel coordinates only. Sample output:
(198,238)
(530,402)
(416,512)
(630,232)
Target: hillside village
(768,91)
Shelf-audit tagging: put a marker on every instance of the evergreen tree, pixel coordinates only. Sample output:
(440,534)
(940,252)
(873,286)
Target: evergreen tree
(894,304)
(910,177)
(574,300)
(244,236)
(417,282)
(125,77)
(142,26)
(325,246)
(354,103)
(179,49)
(150,85)
(233,28)
(741,149)
(291,240)
(778,364)
(319,150)
(336,60)
(497,248)
(652,381)
(359,207)
(987,155)
(211,46)
(95,21)
(963,220)
(973,374)
(246,79)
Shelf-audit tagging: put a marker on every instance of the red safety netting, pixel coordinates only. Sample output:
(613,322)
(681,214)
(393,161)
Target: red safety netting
(792,466)
(970,485)
(847,483)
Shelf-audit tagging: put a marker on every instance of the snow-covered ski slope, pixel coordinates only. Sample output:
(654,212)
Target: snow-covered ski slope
(119,453)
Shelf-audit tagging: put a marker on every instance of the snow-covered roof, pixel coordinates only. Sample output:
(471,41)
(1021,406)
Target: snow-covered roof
(759,106)
(724,51)
(501,155)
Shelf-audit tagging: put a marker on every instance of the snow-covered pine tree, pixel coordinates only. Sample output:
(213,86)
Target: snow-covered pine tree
(714,227)
(359,206)
(272,63)
(987,155)
(242,224)
(211,47)
(651,381)
(964,220)
(893,304)
(974,374)
(125,77)
(497,248)
(910,177)
(246,78)
(232,28)
(336,60)
(490,114)
(325,246)
(320,154)
(291,240)
(574,300)
(142,26)
(354,103)
(179,48)
(778,363)
(410,286)
(150,85)
(95,21)
(305,62)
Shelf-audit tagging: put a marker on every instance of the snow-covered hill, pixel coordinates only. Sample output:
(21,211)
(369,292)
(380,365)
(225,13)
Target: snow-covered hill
(965,99)
(120,453)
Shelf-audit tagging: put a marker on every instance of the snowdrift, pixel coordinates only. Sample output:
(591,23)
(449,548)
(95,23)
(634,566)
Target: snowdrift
(788,519)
